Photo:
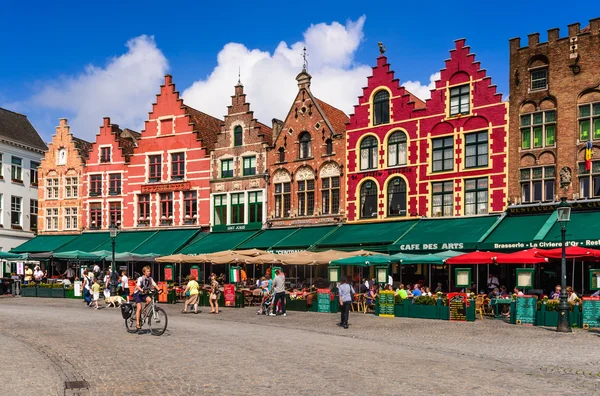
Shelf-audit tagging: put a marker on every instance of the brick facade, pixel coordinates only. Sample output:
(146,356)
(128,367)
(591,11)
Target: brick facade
(239,162)
(392,168)
(306,163)
(551,83)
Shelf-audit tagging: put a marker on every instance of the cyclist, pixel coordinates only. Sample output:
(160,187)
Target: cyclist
(144,283)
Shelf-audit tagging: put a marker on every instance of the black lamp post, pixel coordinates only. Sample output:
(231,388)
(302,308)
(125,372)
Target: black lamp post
(564,215)
(113,237)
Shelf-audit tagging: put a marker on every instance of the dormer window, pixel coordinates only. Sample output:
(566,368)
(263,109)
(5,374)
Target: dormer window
(381,108)
(539,79)
(460,100)
(105,154)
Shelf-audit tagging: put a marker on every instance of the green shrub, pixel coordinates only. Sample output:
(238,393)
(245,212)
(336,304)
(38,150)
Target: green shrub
(397,299)
(424,300)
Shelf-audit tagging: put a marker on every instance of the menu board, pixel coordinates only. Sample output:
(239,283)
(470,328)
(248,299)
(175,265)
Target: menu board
(458,307)
(591,312)
(526,309)
(386,303)
(323,300)
(195,270)
(77,288)
(229,295)
(168,273)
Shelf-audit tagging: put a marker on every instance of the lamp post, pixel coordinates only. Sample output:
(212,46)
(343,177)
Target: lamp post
(564,215)
(113,236)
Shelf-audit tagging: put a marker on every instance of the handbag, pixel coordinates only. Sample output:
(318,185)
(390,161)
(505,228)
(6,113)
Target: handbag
(187,293)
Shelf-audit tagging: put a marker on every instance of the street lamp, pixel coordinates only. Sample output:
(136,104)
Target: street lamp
(113,236)
(564,215)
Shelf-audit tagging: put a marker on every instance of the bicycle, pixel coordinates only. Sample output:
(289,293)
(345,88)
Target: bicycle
(156,316)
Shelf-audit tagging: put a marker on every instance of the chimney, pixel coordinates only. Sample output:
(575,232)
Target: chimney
(106,121)
(574,29)
(168,79)
(595,26)
(534,39)
(553,34)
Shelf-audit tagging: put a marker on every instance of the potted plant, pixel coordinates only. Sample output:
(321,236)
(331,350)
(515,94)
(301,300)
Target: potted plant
(57,291)
(29,290)
(424,307)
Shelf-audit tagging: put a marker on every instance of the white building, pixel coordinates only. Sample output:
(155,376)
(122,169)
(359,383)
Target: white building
(21,150)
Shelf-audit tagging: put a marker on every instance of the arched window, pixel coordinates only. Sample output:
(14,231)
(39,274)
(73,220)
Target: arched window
(368,153)
(329,146)
(281,154)
(305,149)
(381,108)
(237,136)
(397,149)
(368,200)
(396,197)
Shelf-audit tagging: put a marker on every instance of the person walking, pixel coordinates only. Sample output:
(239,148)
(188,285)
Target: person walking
(87,289)
(279,292)
(124,286)
(191,290)
(107,285)
(346,292)
(96,293)
(214,295)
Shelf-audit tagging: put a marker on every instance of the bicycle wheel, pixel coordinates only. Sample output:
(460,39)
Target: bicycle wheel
(158,322)
(130,323)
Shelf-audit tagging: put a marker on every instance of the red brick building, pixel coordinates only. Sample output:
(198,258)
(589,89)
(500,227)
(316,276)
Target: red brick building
(444,157)
(239,162)
(554,114)
(306,163)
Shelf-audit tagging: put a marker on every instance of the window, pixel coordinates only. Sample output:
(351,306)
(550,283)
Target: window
(281,154)
(460,100)
(191,206)
(226,168)
(114,184)
(166,207)
(329,146)
(71,186)
(104,154)
(71,218)
(381,108)
(589,122)
(143,207)
(283,197)
(95,185)
(33,173)
(306,197)
(537,184)
(443,154)
(539,79)
(220,205)
(396,197)
(305,146)
(442,199)
(589,182)
(52,188)
(368,153)
(52,219)
(237,136)
(1,167)
(397,149)
(476,196)
(155,168)
(114,210)
(16,173)
(476,149)
(237,208)
(249,166)
(368,200)
(177,166)
(330,195)
(541,127)
(15,211)
(96,215)
(33,213)
(255,207)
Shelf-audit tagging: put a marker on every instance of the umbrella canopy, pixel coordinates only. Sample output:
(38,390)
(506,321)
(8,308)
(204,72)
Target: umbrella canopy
(365,261)
(431,258)
(128,256)
(8,255)
(229,259)
(528,256)
(182,258)
(571,252)
(268,258)
(299,258)
(250,252)
(77,255)
(475,258)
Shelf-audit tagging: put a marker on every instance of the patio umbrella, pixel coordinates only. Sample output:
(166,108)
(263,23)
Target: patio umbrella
(250,252)
(8,255)
(128,256)
(365,261)
(528,256)
(299,258)
(571,252)
(229,259)
(268,258)
(182,258)
(476,258)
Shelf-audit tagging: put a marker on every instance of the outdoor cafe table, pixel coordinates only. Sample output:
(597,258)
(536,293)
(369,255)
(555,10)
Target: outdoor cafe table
(497,302)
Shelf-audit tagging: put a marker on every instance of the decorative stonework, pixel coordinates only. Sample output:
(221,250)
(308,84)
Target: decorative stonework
(330,169)
(220,187)
(281,176)
(305,173)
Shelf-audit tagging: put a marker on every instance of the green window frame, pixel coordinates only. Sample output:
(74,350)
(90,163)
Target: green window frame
(226,168)
(539,79)
(249,166)
(442,199)
(255,207)
(589,121)
(538,129)
(237,136)
(460,100)
(443,154)
(220,209)
(476,196)
(476,149)
(237,208)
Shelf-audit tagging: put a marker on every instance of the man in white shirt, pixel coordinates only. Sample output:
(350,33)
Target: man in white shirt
(38,275)
(492,282)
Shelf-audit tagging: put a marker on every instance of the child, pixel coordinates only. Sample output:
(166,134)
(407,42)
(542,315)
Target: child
(96,292)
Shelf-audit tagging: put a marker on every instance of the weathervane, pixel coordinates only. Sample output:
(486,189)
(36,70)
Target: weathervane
(304,55)
(239,75)
(381,48)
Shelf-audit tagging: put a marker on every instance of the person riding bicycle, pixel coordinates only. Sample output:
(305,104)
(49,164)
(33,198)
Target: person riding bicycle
(143,285)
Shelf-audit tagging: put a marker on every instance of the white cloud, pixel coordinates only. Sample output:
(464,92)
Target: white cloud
(422,91)
(123,89)
(269,78)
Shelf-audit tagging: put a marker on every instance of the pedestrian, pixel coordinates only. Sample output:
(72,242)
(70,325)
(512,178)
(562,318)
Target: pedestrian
(214,295)
(191,291)
(124,286)
(96,293)
(87,289)
(279,292)
(114,281)
(106,285)
(69,274)
(346,293)
(38,275)
(28,275)
(96,271)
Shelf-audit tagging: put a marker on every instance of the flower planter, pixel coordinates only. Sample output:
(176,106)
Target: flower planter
(57,293)
(29,292)
(423,311)
(70,293)
(44,292)
(399,310)
(296,305)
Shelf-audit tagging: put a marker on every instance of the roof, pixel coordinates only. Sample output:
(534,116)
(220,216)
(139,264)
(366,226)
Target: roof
(207,127)
(419,104)
(83,146)
(128,141)
(336,117)
(17,128)
(266,131)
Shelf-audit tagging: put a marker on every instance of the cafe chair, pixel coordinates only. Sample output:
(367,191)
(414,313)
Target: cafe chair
(358,302)
(367,305)
(480,306)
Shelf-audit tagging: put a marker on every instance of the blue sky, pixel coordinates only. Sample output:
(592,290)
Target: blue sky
(72,60)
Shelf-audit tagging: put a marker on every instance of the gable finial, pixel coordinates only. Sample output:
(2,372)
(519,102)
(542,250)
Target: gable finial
(305,62)
(381,48)
(239,75)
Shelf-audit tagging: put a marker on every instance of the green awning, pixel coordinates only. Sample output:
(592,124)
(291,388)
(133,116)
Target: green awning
(216,242)
(86,242)
(127,241)
(267,238)
(304,238)
(371,236)
(584,228)
(514,233)
(366,261)
(44,243)
(166,242)
(78,255)
(454,233)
